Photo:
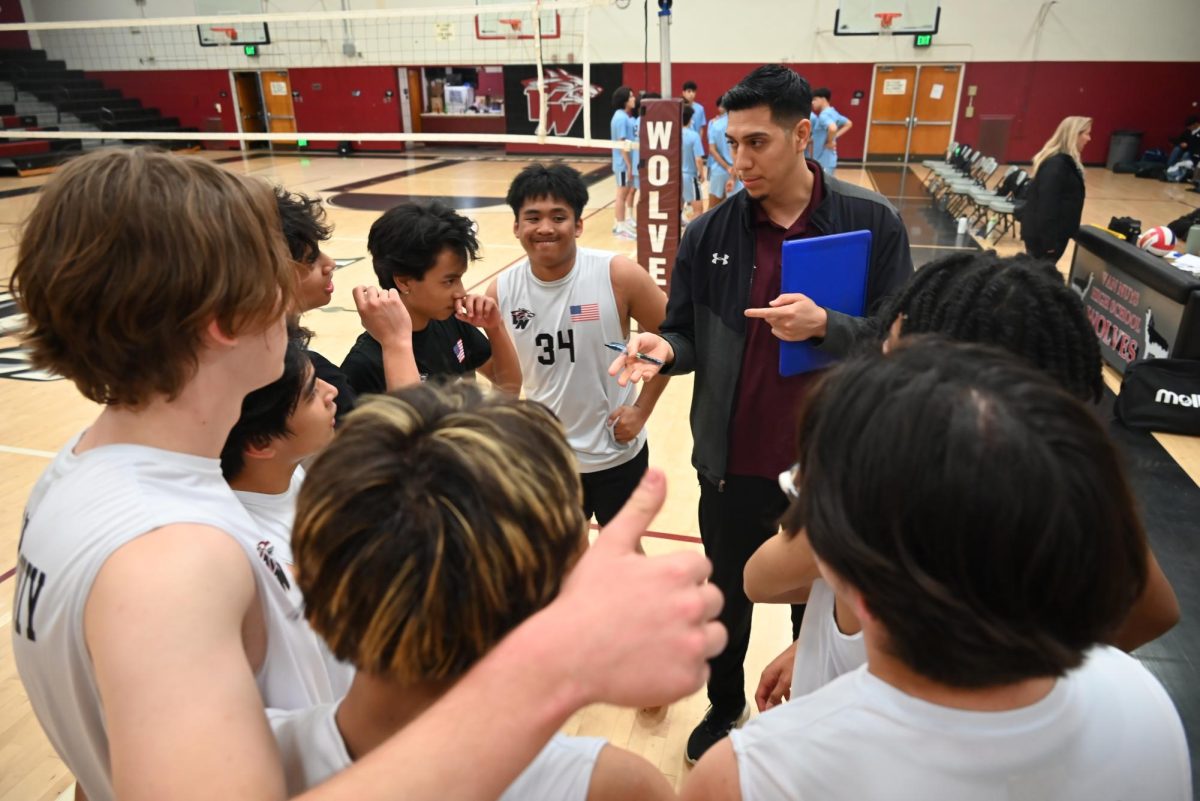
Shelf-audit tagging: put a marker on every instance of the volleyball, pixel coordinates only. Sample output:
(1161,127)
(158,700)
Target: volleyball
(1158,240)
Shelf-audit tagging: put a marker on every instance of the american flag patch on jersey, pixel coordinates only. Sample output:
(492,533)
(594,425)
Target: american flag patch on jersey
(585,313)
(460,352)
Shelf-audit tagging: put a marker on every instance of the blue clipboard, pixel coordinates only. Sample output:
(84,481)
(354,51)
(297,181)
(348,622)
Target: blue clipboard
(832,270)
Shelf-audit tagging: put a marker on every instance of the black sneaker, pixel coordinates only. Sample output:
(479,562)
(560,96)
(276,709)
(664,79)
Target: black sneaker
(714,728)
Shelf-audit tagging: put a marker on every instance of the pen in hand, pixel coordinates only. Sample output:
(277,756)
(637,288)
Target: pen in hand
(620,348)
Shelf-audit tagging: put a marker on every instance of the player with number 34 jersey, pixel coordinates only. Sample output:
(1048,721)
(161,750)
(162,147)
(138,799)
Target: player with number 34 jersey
(562,304)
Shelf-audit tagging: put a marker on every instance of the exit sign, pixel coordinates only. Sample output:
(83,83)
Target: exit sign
(923,40)
(252,50)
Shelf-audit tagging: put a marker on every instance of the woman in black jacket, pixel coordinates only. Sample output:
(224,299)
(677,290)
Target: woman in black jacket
(1054,204)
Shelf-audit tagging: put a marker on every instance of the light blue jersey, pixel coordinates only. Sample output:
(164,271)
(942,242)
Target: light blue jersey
(620,130)
(635,134)
(716,136)
(820,136)
(698,118)
(692,150)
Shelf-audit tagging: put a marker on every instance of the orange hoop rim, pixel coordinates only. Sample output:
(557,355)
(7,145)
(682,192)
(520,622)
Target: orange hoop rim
(886,18)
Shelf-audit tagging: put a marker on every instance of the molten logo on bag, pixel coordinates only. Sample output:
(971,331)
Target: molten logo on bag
(564,100)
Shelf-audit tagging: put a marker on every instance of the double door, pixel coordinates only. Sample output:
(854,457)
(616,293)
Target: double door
(265,104)
(913,110)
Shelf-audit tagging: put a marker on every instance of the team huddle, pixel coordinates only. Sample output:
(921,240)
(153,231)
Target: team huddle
(259,574)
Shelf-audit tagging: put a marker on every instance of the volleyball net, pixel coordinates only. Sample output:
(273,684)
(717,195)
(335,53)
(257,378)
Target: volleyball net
(493,72)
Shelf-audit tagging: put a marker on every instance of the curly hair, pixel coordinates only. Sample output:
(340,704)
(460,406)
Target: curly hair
(1019,304)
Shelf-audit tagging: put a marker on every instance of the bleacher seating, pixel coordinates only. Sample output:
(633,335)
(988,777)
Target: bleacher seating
(72,93)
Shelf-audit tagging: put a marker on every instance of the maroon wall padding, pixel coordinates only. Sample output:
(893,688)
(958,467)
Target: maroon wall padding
(13,40)
(23,148)
(660,199)
(1150,96)
(335,107)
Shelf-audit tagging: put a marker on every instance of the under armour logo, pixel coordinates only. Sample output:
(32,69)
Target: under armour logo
(721,258)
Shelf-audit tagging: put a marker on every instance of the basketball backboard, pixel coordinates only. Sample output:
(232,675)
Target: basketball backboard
(876,17)
(513,24)
(229,31)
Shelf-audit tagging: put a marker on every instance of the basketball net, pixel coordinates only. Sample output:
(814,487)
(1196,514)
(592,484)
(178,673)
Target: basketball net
(512,29)
(885,21)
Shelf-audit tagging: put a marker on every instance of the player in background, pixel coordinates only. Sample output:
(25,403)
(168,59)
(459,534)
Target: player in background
(693,164)
(689,94)
(828,126)
(622,129)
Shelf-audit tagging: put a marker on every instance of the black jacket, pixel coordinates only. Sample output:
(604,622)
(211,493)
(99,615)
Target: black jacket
(1054,205)
(710,290)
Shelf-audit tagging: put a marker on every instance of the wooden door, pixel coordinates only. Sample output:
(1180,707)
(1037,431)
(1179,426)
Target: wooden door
(249,100)
(933,112)
(277,99)
(414,98)
(891,111)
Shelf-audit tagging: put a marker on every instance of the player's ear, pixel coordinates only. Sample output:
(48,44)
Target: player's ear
(255,452)
(802,133)
(578,226)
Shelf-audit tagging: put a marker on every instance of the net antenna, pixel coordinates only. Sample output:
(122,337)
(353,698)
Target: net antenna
(886,18)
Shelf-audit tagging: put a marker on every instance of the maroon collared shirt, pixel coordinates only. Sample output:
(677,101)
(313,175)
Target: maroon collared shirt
(763,434)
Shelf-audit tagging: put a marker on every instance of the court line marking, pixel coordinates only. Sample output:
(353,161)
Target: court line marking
(661,535)
(7,575)
(27,451)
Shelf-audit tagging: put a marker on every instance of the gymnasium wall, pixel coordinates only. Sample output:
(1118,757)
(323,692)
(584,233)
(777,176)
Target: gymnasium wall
(1033,60)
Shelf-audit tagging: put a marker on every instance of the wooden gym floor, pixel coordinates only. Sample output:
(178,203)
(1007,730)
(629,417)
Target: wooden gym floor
(39,415)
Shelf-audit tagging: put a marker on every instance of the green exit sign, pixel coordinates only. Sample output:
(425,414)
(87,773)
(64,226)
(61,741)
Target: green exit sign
(923,40)
(250,50)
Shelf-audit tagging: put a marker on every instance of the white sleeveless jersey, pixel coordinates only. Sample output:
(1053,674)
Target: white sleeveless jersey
(82,510)
(313,750)
(823,652)
(274,515)
(559,329)
(1107,731)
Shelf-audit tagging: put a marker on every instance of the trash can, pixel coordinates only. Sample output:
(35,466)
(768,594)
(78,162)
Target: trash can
(1123,146)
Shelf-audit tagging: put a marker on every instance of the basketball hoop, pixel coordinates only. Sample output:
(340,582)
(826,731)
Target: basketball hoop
(229,33)
(513,31)
(885,21)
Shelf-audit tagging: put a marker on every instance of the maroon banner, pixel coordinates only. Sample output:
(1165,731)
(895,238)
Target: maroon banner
(659,207)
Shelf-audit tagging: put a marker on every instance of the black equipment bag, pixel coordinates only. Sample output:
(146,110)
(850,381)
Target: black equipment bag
(1127,227)
(1161,395)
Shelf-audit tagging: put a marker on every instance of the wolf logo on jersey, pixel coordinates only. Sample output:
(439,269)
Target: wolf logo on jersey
(521,318)
(266,552)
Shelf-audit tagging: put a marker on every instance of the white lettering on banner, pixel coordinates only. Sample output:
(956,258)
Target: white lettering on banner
(659,170)
(658,237)
(659,133)
(654,213)
(1174,398)
(658,267)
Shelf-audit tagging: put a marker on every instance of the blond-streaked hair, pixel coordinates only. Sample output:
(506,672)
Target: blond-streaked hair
(127,258)
(1064,140)
(437,520)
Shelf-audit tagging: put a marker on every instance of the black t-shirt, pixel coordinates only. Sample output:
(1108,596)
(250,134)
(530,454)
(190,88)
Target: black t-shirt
(445,347)
(328,372)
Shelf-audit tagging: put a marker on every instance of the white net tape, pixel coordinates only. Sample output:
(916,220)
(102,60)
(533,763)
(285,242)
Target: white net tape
(537,33)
